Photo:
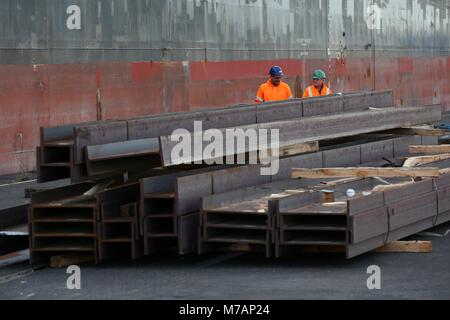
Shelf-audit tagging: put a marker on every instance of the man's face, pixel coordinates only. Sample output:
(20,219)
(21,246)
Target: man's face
(276,80)
(318,82)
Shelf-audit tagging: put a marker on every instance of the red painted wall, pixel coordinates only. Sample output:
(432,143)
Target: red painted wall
(34,96)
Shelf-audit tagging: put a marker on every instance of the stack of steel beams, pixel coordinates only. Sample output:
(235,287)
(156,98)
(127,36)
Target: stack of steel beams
(99,149)
(241,217)
(170,204)
(247,215)
(63,221)
(133,210)
(364,222)
(118,234)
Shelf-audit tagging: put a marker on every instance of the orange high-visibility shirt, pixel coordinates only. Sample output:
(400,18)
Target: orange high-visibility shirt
(312,91)
(268,92)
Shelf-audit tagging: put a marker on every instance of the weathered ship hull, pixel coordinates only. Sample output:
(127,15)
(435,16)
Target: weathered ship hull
(129,58)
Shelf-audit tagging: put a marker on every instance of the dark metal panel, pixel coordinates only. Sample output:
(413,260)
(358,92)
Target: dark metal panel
(240,177)
(269,112)
(430,140)
(444,200)
(10,243)
(13,216)
(401,145)
(122,149)
(190,190)
(322,106)
(443,218)
(348,156)
(443,181)
(57,133)
(96,134)
(114,198)
(117,166)
(296,201)
(164,183)
(362,204)
(354,250)
(225,118)
(369,224)
(336,126)
(381,99)
(218,200)
(416,227)
(355,102)
(407,212)
(60,193)
(286,165)
(376,151)
(188,233)
(163,125)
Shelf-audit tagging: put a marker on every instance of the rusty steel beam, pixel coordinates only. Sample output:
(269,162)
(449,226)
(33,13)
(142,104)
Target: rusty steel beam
(314,129)
(67,144)
(363,223)
(62,220)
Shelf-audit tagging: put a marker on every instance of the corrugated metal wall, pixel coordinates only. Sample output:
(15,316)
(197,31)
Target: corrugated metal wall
(152,56)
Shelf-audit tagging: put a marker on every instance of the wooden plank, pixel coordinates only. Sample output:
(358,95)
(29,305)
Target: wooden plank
(298,148)
(407,247)
(364,172)
(66,260)
(430,150)
(421,131)
(420,161)
(383,188)
(394,247)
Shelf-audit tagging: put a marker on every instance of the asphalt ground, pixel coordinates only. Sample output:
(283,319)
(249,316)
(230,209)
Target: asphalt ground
(242,276)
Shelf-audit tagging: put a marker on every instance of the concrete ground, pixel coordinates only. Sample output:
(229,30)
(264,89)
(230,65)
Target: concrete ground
(243,276)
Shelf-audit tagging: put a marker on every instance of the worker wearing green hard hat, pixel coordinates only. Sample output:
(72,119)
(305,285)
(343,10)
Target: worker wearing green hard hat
(318,88)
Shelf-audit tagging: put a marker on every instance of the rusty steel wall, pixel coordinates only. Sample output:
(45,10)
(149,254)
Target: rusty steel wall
(150,56)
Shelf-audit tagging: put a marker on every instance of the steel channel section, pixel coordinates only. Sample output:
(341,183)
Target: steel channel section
(418,188)
(119,222)
(154,126)
(61,220)
(247,176)
(182,192)
(228,179)
(328,127)
(75,190)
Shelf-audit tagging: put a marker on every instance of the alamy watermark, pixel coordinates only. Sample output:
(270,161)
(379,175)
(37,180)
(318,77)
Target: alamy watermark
(227,146)
(74,280)
(374,280)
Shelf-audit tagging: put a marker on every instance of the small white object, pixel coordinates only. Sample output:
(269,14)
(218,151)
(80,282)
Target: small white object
(351,193)
(366,193)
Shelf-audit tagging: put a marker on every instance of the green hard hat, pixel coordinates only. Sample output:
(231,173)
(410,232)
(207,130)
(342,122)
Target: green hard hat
(319,74)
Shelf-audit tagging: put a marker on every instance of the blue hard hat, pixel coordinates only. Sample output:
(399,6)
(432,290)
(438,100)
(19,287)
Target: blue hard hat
(276,71)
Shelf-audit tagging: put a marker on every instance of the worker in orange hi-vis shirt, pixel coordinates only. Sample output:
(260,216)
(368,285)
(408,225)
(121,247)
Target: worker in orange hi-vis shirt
(318,88)
(274,89)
